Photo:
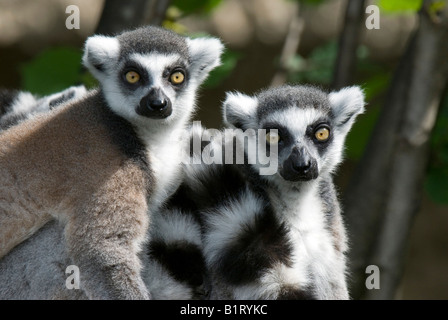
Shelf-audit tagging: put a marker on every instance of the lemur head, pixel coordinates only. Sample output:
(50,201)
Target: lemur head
(311,126)
(151,73)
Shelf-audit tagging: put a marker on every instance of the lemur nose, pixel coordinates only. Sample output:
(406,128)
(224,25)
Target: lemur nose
(156,99)
(299,166)
(302,167)
(157,104)
(301,162)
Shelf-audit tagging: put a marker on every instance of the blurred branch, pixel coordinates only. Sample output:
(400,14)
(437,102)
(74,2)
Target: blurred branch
(290,47)
(157,11)
(348,43)
(385,192)
(119,15)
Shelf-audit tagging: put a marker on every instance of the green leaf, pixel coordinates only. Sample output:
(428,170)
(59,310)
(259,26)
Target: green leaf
(399,6)
(436,183)
(229,60)
(437,7)
(52,70)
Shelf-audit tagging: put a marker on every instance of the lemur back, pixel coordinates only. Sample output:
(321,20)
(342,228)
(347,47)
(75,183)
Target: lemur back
(277,236)
(95,164)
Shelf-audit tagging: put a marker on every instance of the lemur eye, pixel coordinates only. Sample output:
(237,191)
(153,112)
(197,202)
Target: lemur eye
(177,77)
(272,137)
(322,134)
(132,77)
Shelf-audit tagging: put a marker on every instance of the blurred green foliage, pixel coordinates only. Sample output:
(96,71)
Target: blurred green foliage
(195,6)
(229,60)
(437,178)
(52,70)
(317,68)
(408,6)
(181,8)
(399,6)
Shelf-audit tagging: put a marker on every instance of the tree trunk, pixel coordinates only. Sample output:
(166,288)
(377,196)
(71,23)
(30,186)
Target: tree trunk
(348,43)
(290,46)
(119,15)
(385,192)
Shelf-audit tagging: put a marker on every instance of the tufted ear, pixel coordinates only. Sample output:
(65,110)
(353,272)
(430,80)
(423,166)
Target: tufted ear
(346,105)
(100,52)
(205,56)
(239,110)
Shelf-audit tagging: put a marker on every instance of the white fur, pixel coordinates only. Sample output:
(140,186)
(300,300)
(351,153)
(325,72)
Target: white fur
(163,286)
(26,105)
(165,158)
(43,104)
(172,226)
(205,53)
(23,103)
(311,240)
(227,222)
(100,49)
(347,101)
(239,106)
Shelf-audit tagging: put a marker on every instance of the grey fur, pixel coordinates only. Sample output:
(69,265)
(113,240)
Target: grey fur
(286,96)
(35,269)
(162,41)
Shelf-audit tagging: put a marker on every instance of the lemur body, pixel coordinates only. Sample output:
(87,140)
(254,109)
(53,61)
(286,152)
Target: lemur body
(95,164)
(270,237)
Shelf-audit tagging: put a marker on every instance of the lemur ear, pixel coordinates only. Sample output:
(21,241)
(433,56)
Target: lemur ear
(99,53)
(205,56)
(346,104)
(239,110)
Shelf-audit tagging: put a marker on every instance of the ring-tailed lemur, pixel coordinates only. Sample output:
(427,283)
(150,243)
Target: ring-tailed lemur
(101,163)
(17,106)
(275,236)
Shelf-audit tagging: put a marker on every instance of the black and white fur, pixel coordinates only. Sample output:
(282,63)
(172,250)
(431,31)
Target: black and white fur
(17,106)
(269,237)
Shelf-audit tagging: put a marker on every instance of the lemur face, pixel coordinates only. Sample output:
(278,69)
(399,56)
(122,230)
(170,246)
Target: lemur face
(311,126)
(151,73)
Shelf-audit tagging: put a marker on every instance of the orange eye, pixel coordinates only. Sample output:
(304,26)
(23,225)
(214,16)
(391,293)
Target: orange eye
(177,77)
(132,77)
(322,134)
(272,137)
